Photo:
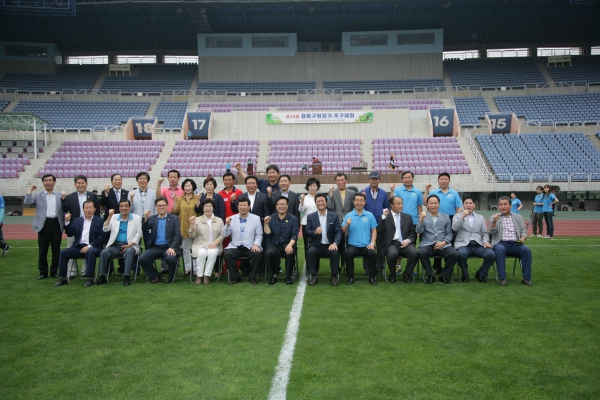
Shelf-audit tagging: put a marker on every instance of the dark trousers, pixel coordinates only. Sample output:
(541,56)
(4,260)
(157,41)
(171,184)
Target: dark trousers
(49,237)
(272,256)
(448,254)
(352,252)
(474,249)
(232,255)
(146,261)
(393,252)
(2,242)
(538,223)
(521,251)
(322,250)
(437,263)
(75,252)
(549,223)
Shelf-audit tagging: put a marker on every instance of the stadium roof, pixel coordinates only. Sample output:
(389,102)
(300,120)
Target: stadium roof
(169,27)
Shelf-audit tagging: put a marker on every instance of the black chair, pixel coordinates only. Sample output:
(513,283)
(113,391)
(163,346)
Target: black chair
(514,267)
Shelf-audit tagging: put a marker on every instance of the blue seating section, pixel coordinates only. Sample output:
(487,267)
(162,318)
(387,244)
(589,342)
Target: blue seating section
(68,77)
(152,78)
(557,108)
(494,72)
(545,156)
(170,114)
(83,114)
(470,110)
(254,87)
(383,85)
(582,68)
(3,104)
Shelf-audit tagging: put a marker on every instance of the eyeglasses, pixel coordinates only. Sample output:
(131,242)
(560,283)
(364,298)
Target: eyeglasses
(161,205)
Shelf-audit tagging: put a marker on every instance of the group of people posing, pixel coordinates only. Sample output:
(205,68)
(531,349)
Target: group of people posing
(255,229)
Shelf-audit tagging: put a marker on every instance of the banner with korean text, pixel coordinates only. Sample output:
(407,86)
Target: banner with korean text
(319,117)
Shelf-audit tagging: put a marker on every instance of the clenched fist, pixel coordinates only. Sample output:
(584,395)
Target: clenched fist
(106,189)
(348,221)
(67,217)
(63,195)
(386,212)
(267,219)
(147,214)
(228,221)
(318,231)
(192,220)
(331,189)
(495,217)
(131,195)
(232,197)
(161,180)
(392,187)
(428,187)
(111,213)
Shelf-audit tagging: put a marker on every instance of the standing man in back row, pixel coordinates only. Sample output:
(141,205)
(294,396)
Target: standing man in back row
(450,204)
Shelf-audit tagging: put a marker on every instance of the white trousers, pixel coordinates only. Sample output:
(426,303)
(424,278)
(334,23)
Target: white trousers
(206,261)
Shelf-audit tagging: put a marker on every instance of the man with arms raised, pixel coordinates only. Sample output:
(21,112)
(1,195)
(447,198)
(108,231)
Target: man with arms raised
(281,231)
(472,240)
(508,238)
(171,192)
(142,198)
(111,197)
(341,199)
(412,198)
(271,184)
(284,185)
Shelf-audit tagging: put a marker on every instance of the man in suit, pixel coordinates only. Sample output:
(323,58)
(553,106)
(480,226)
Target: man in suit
(508,237)
(396,235)
(89,241)
(164,241)
(436,234)
(48,223)
(472,239)
(360,225)
(341,200)
(73,204)
(324,229)
(284,185)
(142,198)
(246,240)
(281,231)
(111,197)
(125,234)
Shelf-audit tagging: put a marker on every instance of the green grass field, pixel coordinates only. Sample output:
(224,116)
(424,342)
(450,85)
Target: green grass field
(391,341)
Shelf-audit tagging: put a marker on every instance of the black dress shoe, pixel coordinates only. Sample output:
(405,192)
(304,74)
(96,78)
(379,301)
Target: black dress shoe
(464,279)
(253,281)
(392,278)
(273,280)
(157,279)
(245,274)
(55,276)
(480,278)
(430,279)
(236,280)
(334,281)
(314,279)
(288,280)
(88,283)
(102,281)
(61,282)
(373,280)
(437,271)
(126,281)
(350,280)
(444,279)
(407,277)
(42,276)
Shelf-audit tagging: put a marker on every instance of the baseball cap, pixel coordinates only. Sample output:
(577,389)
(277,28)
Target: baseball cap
(374,174)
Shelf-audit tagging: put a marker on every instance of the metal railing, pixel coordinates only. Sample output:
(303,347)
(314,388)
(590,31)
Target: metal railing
(480,161)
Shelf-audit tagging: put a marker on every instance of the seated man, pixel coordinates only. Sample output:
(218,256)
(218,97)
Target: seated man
(436,235)
(360,225)
(164,241)
(89,240)
(246,238)
(324,230)
(125,234)
(508,235)
(472,239)
(396,233)
(281,230)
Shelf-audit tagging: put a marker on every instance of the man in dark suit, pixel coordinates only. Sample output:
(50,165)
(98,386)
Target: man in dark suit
(284,191)
(73,204)
(281,231)
(110,197)
(164,241)
(396,235)
(89,241)
(323,227)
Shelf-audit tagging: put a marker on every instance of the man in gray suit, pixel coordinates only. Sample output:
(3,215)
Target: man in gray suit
(472,240)
(142,198)
(436,234)
(341,200)
(48,223)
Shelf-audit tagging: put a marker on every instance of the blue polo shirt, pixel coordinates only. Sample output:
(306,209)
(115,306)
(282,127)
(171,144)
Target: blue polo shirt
(359,231)
(263,184)
(161,231)
(547,200)
(538,199)
(122,235)
(449,201)
(514,205)
(411,199)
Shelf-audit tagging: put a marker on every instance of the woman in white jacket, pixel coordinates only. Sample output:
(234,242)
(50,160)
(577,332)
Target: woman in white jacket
(207,232)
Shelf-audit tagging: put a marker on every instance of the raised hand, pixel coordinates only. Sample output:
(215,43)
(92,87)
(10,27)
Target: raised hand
(495,217)
(192,220)
(428,187)
(386,212)
(67,217)
(106,189)
(302,196)
(392,187)
(348,221)
(131,195)
(318,231)
(63,195)
(32,188)
(269,190)
(147,214)
(111,213)
(423,215)
(237,166)
(228,221)
(232,197)
(267,219)
(331,189)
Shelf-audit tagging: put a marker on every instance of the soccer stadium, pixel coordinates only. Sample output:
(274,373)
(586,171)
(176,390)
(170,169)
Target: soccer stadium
(185,187)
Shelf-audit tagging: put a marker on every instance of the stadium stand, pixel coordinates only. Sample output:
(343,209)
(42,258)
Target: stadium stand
(353,86)
(83,114)
(10,167)
(562,109)
(254,87)
(201,157)
(152,78)
(470,110)
(337,155)
(494,72)
(171,114)
(582,69)
(420,155)
(541,156)
(76,77)
(100,159)
(3,104)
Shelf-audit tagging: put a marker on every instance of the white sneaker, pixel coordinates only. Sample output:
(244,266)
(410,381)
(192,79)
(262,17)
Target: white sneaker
(540,236)
(5,250)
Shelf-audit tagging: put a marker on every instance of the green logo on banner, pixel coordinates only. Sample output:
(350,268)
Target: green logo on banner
(273,119)
(366,117)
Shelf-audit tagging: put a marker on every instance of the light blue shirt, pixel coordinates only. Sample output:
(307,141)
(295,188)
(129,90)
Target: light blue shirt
(359,231)
(161,228)
(323,222)
(50,204)
(411,199)
(449,201)
(538,199)
(122,235)
(1,210)
(514,205)
(547,200)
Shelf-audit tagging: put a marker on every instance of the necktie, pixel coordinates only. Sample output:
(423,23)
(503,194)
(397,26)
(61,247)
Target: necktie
(118,195)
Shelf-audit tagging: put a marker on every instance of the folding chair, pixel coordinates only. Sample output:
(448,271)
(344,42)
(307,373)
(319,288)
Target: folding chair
(423,276)
(218,267)
(514,267)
